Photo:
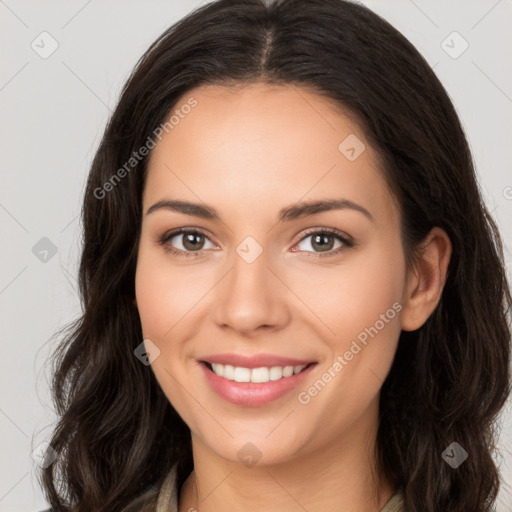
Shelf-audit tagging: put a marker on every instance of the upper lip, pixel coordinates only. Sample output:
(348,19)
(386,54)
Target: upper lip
(255,361)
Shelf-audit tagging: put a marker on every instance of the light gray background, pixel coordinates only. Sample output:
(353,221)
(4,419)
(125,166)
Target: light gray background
(53,113)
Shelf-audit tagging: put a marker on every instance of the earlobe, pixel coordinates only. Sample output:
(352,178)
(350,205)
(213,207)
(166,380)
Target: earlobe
(425,282)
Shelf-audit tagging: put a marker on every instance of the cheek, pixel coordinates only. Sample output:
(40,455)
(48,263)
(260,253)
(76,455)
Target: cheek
(368,323)
(165,293)
(373,287)
(352,296)
(360,302)
(165,300)
(150,291)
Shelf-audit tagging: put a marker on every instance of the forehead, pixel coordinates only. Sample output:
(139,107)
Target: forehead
(264,144)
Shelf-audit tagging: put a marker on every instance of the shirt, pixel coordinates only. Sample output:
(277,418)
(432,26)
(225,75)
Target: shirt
(167,500)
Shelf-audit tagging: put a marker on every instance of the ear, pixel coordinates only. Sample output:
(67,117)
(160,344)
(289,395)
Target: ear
(426,280)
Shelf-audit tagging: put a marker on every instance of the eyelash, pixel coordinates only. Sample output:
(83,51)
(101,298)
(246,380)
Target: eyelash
(347,243)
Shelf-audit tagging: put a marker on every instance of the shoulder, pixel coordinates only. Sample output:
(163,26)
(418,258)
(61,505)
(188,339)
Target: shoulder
(396,502)
(164,499)
(144,503)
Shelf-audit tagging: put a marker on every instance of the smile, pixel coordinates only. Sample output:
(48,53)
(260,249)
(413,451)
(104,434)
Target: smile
(262,374)
(254,387)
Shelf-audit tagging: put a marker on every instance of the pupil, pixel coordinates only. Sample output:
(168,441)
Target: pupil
(319,239)
(191,240)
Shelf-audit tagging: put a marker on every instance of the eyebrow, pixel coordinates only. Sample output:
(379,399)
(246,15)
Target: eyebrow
(296,211)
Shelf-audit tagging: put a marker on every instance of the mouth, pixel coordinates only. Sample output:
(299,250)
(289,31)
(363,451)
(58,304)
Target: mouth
(258,375)
(255,386)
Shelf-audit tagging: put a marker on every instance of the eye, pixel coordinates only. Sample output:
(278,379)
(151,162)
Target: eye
(324,241)
(190,242)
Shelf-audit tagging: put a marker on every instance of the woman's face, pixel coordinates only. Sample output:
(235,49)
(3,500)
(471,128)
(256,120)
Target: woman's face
(256,277)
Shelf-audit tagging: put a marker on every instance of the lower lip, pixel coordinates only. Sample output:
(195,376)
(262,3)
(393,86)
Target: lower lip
(253,394)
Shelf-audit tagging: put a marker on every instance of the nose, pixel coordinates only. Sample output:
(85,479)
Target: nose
(251,297)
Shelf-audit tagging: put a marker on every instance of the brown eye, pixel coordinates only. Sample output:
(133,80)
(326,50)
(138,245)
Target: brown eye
(193,241)
(185,242)
(324,242)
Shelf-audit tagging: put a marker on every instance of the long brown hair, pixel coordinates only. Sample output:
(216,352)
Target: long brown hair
(117,435)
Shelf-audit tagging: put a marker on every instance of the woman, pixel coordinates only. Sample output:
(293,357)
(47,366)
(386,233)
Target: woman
(294,296)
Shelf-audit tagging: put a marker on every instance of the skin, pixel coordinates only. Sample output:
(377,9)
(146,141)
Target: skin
(248,152)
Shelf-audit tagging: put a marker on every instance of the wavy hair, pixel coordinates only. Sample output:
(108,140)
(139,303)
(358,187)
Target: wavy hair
(117,436)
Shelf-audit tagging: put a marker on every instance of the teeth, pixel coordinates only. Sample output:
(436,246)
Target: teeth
(242,374)
(260,375)
(263,374)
